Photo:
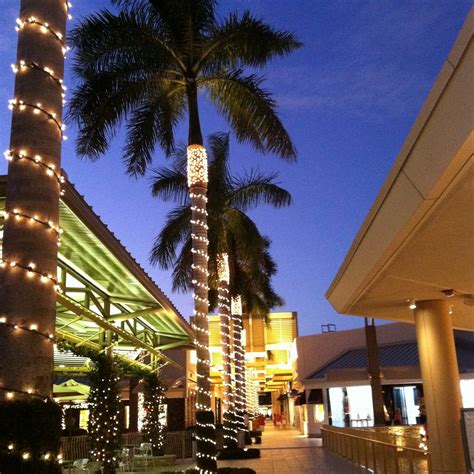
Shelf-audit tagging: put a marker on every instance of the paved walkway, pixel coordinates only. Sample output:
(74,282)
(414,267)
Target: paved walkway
(284,451)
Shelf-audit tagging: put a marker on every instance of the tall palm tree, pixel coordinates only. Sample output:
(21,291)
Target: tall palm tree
(27,294)
(238,252)
(231,230)
(145,66)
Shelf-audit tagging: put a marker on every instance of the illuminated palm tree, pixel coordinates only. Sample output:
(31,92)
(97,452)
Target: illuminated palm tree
(239,261)
(145,66)
(28,262)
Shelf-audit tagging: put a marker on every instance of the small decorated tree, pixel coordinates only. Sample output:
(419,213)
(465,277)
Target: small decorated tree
(104,422)
(154,398)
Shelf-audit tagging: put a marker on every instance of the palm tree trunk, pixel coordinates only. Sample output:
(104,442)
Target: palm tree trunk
(239,357)
(205,428)
(28,273)
(195,134)
(230,431)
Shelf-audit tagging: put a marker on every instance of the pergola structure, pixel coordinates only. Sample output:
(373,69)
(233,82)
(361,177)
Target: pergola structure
(106,299)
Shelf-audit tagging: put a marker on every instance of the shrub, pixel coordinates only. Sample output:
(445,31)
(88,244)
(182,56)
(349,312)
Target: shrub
(239,453)
(30,432)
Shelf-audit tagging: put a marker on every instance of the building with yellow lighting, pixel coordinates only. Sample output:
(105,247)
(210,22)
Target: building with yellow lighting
(269,355)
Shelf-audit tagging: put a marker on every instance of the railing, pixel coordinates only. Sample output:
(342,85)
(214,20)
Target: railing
(380,457)
(178,443)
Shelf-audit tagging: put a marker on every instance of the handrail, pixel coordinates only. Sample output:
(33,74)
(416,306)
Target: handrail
(376,441)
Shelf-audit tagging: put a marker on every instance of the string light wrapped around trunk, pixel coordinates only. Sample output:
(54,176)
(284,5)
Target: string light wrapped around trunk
(223,275)
(28,264)
(34,152)
(205,427)
(239,358)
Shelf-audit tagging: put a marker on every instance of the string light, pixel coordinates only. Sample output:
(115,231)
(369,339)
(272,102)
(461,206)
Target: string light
(240,396)
(37,160)
(21,105)
(223,295)
(44,28)
(197,168)
(23,65)
(32,272)
(33,328)
(19,215)
(10,395)
(197,182)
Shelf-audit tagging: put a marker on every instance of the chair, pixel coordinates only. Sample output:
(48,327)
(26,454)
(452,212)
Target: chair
(79,465)
(124,459)
(85,466)
(143,454)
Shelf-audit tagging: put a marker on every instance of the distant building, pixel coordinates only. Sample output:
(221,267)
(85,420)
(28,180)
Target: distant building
(335,384)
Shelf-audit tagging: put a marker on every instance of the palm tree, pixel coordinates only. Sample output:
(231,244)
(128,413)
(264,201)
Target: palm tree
(238,252)
(145,66)
(252,287)
(231,230)
(29,254)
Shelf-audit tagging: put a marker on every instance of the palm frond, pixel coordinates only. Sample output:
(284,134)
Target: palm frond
(98,106)
(176,230)
(218,146)
(256,188)
(170,184)
(250,110)
(242,233)
(244,40)
(153,122)
(182,272)
(106,41)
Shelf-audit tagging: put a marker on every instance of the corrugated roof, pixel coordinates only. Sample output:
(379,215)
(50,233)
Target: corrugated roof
(394,355)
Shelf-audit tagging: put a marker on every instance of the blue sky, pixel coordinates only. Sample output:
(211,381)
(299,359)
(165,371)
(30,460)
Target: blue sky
(348,98)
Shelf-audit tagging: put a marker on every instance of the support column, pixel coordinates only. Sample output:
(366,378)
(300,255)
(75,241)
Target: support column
(442,392)
(374,372)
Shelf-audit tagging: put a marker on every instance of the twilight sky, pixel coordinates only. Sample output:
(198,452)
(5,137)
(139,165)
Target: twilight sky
(348,99)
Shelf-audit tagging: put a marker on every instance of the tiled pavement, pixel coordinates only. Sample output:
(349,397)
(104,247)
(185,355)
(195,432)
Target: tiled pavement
(288,451)
(284,451)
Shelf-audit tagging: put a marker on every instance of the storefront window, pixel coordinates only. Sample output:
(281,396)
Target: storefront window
(406,402)
(336,398)
(360,405)
(83,419)
(319,413)
(467,392)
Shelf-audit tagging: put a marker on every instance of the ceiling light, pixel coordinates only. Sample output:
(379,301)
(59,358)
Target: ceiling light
(449,293)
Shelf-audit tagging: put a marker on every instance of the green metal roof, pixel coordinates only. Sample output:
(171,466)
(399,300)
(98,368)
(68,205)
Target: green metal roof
(105,289)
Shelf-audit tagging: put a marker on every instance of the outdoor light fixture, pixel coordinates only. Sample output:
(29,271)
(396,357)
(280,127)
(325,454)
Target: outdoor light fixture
(449,293)
(412,304)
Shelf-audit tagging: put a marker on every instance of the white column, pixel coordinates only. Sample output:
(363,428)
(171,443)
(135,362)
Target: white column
(442,393)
